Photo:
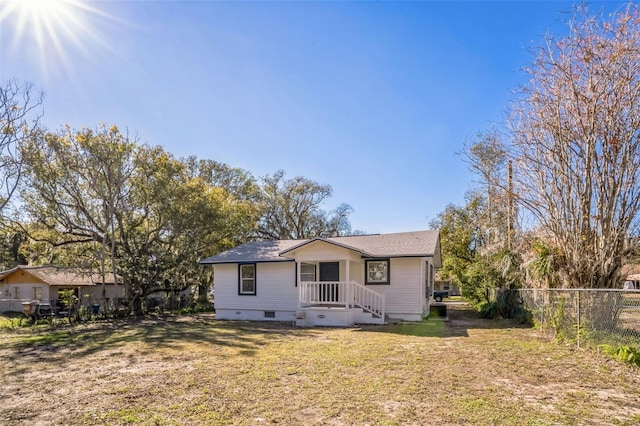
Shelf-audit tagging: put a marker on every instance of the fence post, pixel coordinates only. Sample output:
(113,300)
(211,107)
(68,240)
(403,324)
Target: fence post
(579,317)
(544,303)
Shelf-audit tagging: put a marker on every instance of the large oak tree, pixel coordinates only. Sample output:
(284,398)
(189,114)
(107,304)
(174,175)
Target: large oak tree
(150,214)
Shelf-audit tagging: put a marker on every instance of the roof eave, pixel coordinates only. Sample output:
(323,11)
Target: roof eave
(74,284)
(9,272)
(222,262)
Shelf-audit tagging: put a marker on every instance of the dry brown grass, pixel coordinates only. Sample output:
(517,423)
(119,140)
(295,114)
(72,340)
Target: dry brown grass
(193,370)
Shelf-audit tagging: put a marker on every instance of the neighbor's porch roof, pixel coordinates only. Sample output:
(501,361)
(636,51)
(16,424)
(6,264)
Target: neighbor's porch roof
(61,276)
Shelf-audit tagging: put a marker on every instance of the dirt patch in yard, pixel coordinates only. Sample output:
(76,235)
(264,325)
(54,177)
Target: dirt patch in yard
(193,370)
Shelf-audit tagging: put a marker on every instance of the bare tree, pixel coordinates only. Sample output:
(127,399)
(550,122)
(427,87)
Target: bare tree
(19,116)
(576,144)
(291,210)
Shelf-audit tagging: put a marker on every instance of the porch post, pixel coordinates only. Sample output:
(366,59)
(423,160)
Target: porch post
(298,282)
(348,290)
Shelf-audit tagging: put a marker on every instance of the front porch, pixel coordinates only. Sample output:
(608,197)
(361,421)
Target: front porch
(338,303)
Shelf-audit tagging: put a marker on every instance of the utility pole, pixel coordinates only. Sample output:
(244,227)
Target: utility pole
(509,204)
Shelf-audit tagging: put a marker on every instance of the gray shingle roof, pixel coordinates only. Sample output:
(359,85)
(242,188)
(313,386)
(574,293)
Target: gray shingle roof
(256,251)
(419,243)
(404,244)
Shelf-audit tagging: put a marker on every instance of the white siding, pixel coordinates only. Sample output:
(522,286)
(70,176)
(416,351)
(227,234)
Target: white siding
(403,297)
(356,271)
(275,288)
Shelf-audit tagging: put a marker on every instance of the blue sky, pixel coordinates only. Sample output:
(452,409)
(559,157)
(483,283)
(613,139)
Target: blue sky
(373,98)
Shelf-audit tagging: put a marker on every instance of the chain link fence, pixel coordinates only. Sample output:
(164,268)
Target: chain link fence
(588,317)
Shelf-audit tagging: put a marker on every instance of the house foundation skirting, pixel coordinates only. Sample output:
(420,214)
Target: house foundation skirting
(255,314)
(315,316)
(320,316)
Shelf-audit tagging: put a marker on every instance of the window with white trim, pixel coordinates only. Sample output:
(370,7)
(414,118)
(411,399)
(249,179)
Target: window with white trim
(37,293)
(377,271)
(307,272)
(16,292)
(247,279)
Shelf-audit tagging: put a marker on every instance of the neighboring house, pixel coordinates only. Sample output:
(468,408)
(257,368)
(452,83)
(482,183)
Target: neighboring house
(44,283)
(179,296)
(630,276)
(338,281)
(441,284)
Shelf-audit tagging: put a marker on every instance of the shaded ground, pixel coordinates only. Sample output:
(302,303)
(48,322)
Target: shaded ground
(193,370)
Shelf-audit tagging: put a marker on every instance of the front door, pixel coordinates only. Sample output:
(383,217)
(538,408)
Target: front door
(329,271)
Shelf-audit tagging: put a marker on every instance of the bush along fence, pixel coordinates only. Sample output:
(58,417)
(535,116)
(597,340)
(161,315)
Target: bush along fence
(72,308)
(69,308)
(588,317)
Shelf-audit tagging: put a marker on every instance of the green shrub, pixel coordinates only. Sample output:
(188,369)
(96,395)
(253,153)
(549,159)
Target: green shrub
(11,321)
(507,305)
(488,309)
(627,354)
(68,298)
(199,307)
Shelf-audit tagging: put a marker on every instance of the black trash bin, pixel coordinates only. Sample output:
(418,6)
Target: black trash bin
(96,309)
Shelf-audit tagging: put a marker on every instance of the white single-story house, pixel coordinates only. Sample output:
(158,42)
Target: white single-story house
(43,283)
(337,281)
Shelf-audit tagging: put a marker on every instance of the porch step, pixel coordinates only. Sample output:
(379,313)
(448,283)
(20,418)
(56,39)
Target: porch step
(368,309)
(310,316)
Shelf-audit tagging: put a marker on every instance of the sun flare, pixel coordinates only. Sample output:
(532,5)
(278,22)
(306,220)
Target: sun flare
(42,8)
(50,29)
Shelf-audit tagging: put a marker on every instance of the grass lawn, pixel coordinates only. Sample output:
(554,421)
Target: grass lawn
(193,370)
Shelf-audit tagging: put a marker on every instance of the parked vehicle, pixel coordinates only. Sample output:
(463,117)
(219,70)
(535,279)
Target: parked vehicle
(439,295)
(36,310)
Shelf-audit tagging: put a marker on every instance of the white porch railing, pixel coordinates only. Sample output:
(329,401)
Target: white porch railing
(340,293)
(367,299)
(324,293)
